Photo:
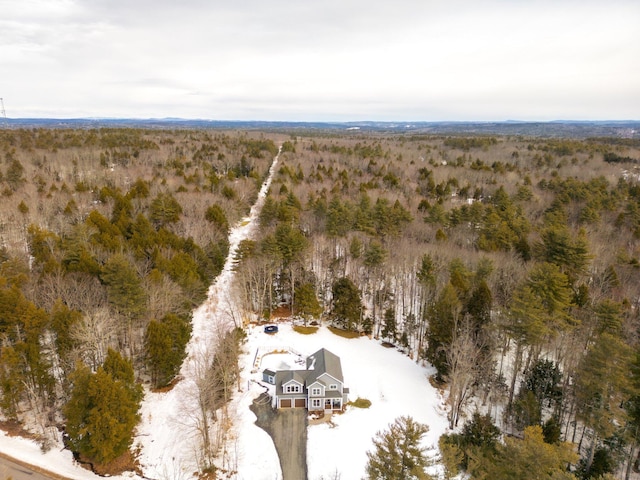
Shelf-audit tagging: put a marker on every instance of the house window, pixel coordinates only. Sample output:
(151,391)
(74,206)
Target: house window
(292,389)
(316,392)
(316,402)
(333,386)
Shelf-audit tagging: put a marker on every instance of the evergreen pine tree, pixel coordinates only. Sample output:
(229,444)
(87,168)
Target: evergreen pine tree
(165,210)
(397,453)
(165,343)
(347,305)
(124,287)
(389,327)
(443,316)
(529,458)
(103,409)
(306,304)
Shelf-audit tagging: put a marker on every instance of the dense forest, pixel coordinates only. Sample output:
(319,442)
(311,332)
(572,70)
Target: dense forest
(110,239)
(510,264)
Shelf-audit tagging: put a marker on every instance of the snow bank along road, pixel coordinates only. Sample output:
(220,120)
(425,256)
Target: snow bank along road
(16,470)
(168,433)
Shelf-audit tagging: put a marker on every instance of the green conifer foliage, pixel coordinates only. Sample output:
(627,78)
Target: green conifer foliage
(529,458)
(339,218)
(601,387)
(568,251)
(306,302)
(165,210)
(43,246)
(443,317)
(217,217)
(398,453)
(124,287)
(103,409)
(165,343)
(347,304)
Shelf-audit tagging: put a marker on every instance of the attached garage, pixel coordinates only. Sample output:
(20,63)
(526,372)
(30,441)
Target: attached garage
(285,403)
(301,402)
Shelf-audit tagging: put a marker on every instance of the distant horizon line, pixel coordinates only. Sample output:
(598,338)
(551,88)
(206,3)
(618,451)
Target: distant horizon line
(200,119)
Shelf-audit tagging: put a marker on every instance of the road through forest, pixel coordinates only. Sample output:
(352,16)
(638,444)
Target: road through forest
(171,430)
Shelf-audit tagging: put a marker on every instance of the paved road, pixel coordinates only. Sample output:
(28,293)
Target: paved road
(288,429)
(10,468)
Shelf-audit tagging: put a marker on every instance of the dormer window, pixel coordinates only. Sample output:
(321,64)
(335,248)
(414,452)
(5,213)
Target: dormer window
(292,388)
(316,391)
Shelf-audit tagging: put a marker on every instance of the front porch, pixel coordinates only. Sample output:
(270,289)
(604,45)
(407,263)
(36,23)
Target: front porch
(328,405)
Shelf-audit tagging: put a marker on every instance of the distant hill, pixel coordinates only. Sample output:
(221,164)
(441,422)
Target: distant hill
(561,128)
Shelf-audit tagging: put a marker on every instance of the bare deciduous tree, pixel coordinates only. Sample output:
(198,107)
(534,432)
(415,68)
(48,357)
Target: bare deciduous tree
(464,361)
(163,296)
(95,334)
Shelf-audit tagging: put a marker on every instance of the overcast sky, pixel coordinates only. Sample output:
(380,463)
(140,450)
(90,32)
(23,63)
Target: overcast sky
(321,60)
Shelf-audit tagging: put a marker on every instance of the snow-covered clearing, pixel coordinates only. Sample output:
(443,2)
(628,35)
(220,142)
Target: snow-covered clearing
(393,383)
(167,438)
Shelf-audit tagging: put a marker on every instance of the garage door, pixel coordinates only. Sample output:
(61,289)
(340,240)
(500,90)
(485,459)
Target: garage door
(301,402)
(285,403)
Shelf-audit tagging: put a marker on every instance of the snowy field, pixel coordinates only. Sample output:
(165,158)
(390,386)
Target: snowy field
(393,383)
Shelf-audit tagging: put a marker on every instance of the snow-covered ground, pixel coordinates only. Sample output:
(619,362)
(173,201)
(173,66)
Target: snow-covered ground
(167,437)
(393,383)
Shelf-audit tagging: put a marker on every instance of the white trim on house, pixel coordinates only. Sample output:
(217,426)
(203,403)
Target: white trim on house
(292,387)
(321,384)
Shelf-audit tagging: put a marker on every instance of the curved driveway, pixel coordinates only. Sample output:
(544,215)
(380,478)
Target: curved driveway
(288,429)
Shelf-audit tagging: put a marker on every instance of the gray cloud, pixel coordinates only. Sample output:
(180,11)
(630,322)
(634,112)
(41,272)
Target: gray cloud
(410,59)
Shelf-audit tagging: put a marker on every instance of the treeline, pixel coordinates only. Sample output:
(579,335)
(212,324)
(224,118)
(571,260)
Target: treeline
(111,238)
(611,157)
(512,269)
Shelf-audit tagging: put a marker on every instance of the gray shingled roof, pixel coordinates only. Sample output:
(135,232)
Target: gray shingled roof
(323,361)
(283,376)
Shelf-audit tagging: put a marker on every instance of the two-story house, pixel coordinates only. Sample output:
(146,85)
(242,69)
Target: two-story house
(319,387)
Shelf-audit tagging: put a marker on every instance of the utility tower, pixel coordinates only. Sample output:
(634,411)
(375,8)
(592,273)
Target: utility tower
(4,114)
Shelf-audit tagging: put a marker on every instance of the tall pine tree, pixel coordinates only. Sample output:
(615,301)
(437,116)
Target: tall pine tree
(398,453)
(103,409)
(347,305)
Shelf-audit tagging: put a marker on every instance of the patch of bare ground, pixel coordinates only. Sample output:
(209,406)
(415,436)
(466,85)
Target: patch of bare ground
(436,384)
(168,387)
(301,329)
(127,462)
(283,311)
(14,429)
(345,333)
